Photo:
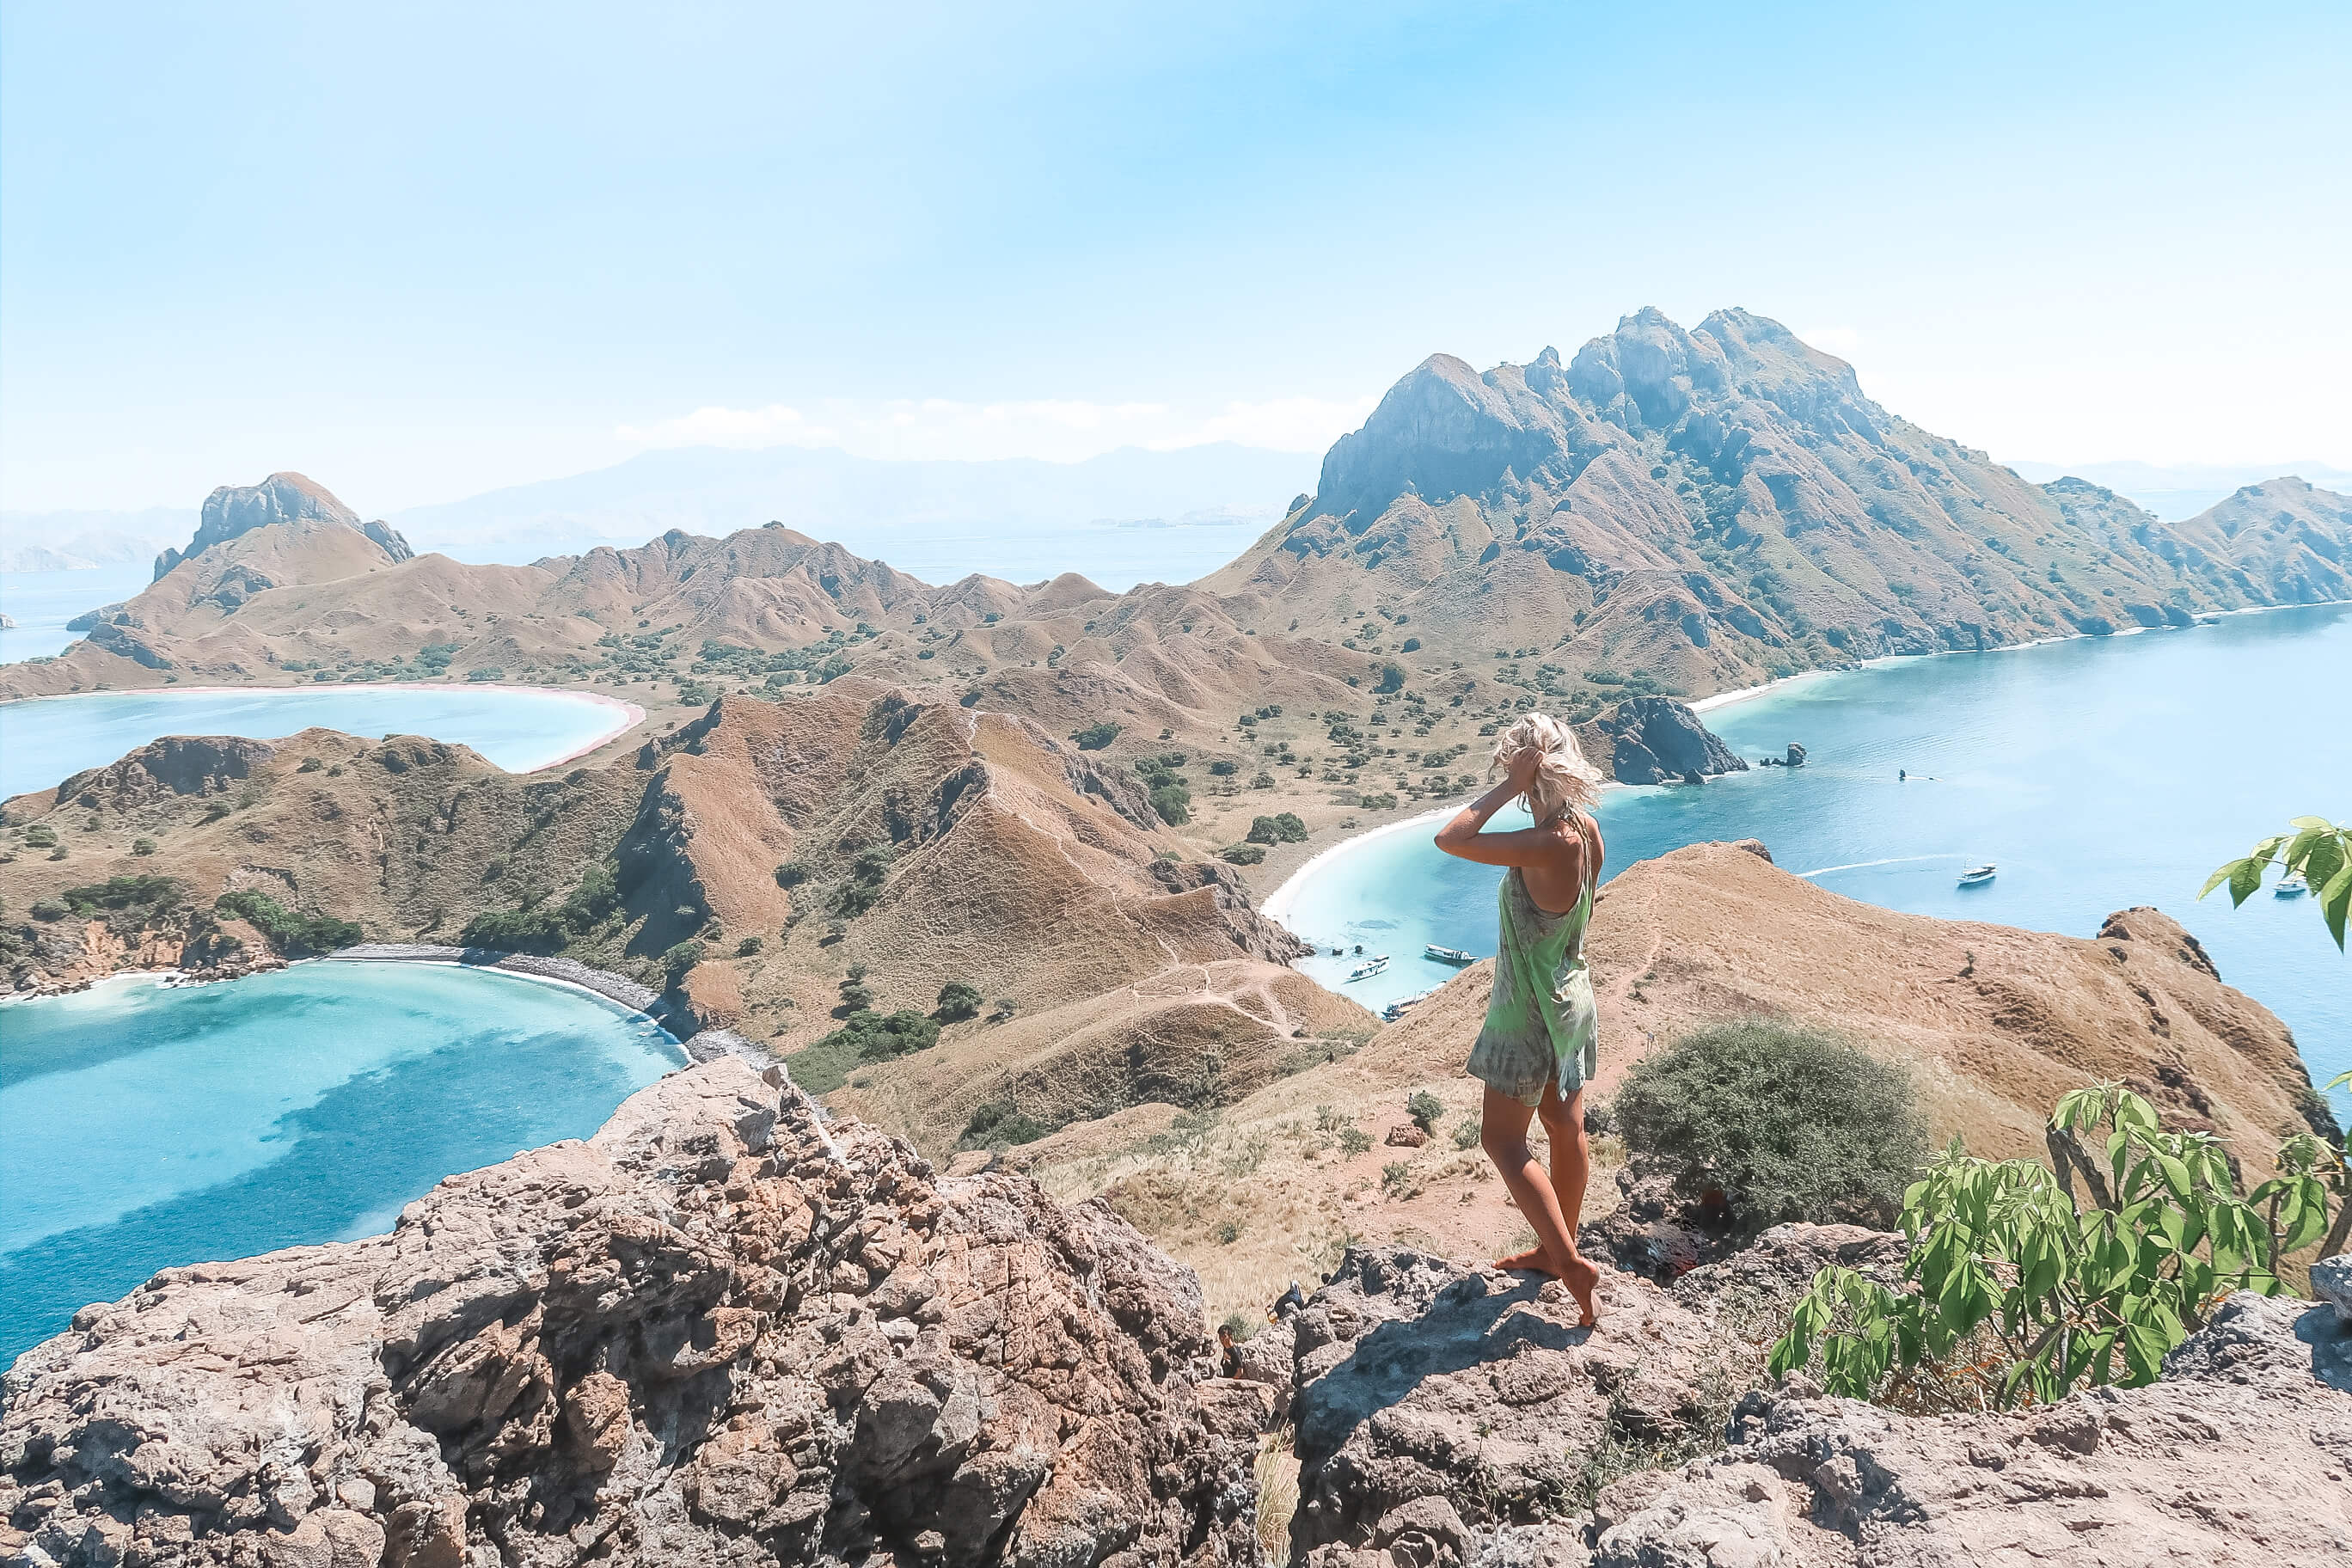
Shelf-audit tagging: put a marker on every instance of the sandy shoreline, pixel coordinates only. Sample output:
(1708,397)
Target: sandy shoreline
(629,714)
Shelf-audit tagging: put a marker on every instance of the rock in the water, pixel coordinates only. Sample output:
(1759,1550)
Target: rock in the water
(2242,1454)
(717,1332)
(1795,758)
(1657,740)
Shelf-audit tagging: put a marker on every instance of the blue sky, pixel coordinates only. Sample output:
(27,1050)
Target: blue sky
(420,251)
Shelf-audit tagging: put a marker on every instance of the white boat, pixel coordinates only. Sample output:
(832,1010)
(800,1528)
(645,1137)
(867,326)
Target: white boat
(1453,955)
(1396,1009)
(1368,968)
(1975,874)
(2291,886)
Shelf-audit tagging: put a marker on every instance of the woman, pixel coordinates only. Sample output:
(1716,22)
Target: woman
(1538,1048)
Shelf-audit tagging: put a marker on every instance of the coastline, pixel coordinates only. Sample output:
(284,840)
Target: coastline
(630,714)
(1276,905)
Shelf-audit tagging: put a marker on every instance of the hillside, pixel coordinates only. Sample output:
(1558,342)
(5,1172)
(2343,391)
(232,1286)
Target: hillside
(1992,1023)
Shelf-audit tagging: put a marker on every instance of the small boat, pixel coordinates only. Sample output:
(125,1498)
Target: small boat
(2291,886)
(1368,968)
(1975,875)
(1396,1009)
(1453,955)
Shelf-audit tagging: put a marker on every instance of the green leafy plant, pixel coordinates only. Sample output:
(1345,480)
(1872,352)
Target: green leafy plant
(2014,1291)
(2316,850)
(1424,1107)
(959,1000)
(1095,737)
(1354,1140)
(288,931)
(1398,1181)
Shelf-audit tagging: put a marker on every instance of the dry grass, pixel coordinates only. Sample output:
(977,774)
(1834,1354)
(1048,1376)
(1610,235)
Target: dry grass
(1277,1496)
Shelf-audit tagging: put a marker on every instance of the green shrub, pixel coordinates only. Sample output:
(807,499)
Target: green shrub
(1241,854)
(40,835)
(48,910)
(1095,737)
(153,893)
(1788,1122)
(309,765)
(2012,1289)
(143,847)
(1398,1181)
(749,946)
(875,1037)
(1354,1140)
(288,931)
(1173,801)
(959,1000)
(998,1123)
(792,873)
(678,962)
(1467,1130)
(541,929)
(1424,1107)
(1224,768)
(1284,828)
(1391,678)
(488,672)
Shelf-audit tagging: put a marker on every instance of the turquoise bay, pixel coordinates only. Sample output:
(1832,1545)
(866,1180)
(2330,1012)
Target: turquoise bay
(519,729)
(2097,772)
(151,1126)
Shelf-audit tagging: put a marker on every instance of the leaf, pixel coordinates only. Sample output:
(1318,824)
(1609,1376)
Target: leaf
(2224,874)
(2144,1348)
(2334,901)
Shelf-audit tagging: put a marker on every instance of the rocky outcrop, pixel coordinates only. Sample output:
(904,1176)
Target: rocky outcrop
(1453,1416)
(1657,740)
(1444,1412)
(175,765)
(2240,1455)
(714,1332)
(233,511)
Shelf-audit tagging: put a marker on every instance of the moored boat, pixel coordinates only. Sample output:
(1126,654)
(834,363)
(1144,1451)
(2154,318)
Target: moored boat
(1975,875)
(1453,955)
(1368,968)
(2291,886)
(1398,1008)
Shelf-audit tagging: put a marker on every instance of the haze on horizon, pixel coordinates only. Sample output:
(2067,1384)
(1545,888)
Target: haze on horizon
(425,256)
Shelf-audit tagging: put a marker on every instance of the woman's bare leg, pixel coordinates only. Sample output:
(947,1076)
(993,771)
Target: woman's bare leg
(1571,1168)
(1503,1132)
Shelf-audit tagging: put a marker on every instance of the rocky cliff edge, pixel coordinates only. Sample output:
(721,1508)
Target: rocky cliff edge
(718,1331)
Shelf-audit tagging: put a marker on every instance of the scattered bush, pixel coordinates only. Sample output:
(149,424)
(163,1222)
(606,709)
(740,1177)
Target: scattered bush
(1424,1107)
(216,809)
(877,1036)
(749,946)
(488,672)
(1173,801)
(1354,1140)
(1411,644)
(1003,1008)
(1284,828)
(309,765)
(288,931)
(792,873)
(48,910)
(678,962)
(143,847)
(40,835)
(957,1001)
(998,1123)
(1788,1122)
(1095,737)
(1398,1181)
(1467,1130)
(1241,854)
(1224,768)
(1391,679)
(518,930)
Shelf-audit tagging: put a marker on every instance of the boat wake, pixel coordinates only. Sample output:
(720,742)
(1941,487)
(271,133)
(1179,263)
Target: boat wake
(1891,860)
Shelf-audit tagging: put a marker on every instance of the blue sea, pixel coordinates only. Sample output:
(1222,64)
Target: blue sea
(518,728)
(148,1126)
(2097,772)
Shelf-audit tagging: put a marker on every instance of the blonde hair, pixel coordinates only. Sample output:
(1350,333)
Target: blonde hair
(1563,778)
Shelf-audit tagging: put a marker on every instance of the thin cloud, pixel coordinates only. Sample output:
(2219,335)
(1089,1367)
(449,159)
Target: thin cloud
(1055,429)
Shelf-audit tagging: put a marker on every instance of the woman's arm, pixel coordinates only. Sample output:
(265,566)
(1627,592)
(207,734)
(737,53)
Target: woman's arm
(1527,847)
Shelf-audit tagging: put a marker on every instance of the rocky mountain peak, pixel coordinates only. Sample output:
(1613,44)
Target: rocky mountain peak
(232,511)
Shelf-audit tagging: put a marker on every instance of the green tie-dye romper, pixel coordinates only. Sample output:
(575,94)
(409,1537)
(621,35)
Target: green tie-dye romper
(1541,1023)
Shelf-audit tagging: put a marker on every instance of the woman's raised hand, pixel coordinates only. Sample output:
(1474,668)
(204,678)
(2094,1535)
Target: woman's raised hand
(1520,772)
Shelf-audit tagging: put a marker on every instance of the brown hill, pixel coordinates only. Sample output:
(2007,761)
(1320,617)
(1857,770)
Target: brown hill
(1993,1024)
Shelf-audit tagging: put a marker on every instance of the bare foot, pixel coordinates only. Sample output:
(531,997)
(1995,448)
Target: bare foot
(1583,1280)
(1534,1259)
